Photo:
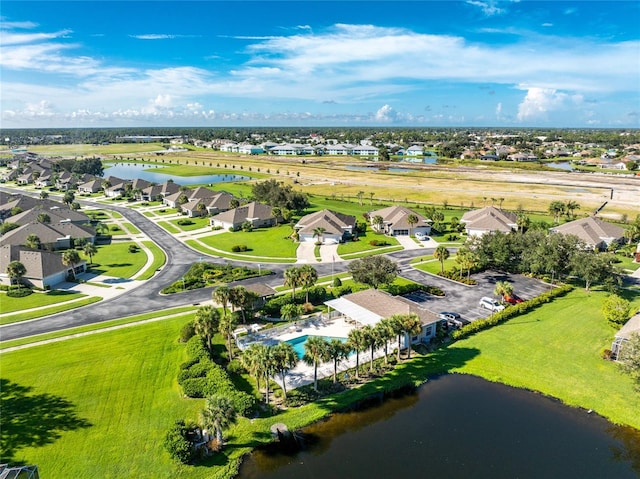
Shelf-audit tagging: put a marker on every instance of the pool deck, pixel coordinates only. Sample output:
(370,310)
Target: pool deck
(302,374)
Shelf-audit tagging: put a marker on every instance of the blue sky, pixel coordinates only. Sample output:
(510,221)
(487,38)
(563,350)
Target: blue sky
(330,63)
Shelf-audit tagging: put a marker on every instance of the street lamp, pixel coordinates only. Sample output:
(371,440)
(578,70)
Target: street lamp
(259,269)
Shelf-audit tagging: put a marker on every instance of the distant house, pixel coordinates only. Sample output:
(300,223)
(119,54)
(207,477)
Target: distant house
(488,220)
(44,268)
(624,334)
(414,150)
(151,193)
(247,149)
(365,150)
(395,221)
(368,307)
(522,157)
(258,214)
(92,186)
(336,226)
(57,214)
(593,231)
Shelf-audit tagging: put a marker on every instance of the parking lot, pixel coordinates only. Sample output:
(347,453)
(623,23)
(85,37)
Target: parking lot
(464,299)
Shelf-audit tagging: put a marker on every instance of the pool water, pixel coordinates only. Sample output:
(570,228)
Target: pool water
(298,343)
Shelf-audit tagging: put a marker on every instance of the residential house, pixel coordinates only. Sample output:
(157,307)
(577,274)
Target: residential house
(522,157)
(92,186)
(365,150)
(247,149)
(44,180)
(488,220)
(624,334)
(258,214)
(54,236)
(335,227)
(153,192)
(11,202)
(57,214)
(339,149)
(25,178)
(414,150)
(368,307)
(593,231)
(44,268)
(396,221)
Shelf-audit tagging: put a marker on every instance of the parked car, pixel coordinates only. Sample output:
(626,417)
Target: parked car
(512,299)
(452,320)
(490,304)
(422,237)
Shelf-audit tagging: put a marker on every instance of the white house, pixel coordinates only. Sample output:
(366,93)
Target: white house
(414,150)
(488,220)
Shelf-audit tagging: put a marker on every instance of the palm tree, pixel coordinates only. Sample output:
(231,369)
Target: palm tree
(16,270)
(378,222)
(70,258)
(226,326)
(318,233)
(441,254)
(276,212)
(467,259)
(412,220)
(292,280)
(357,342)
(556,208)
(371,193)
(360,195)
(384,331)
(308,278)
(411,325)
(291,312)
(201,208)
(268,369)
(315,351)
(523,222)
(221,296)
(32,241)
(89,249)
(500,200)
(206,324)
(571,206)
(503,288)
(218,414)
(285,359)
(237,299)
(251,360)
(371,340)
(44,195)
(337,351)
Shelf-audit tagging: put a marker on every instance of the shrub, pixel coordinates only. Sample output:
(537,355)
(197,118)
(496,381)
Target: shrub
(19,292)
(337,282)
(133,248)
(237,248)
(115,228)
(177,444)
(185,222)
(308,308)
(187,332)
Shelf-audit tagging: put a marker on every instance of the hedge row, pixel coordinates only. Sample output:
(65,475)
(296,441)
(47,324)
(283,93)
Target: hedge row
(200,377)
(510,312)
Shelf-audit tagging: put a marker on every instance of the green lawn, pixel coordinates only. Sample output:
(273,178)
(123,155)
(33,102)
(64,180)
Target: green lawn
(35,300)
(264,242)
(58,308)
(169,227)
(557,350)
(432,265)
(363,243)
(159,259)
(131,229)
(198,223)
(115,260)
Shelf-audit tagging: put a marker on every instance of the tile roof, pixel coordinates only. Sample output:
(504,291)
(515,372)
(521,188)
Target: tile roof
(396,217)
(591,230)
(252,210)
(490,218)
(331,221)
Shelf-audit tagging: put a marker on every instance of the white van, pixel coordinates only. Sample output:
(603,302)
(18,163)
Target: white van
(490,304)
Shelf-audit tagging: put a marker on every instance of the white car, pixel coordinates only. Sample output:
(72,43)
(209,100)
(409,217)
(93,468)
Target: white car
(490,304)
(422,237)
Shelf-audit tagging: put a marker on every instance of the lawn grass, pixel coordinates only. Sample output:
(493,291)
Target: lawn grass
(557,350)
(94,327)
(116,260)
(198,223)
(87,149)
(271,242)
(159,259)
(35,300)
(371,252)
(131,229)
(169,227)
(66,306)
(432,265)
(363,243)
(196,245)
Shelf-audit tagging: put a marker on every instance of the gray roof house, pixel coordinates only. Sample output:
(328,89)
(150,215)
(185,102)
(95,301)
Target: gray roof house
(44,268)
(92,186)
(396,222)
(624,334)
(336,226)
(57,214)
(258,214)
(593,231)
(53,236)
(488,220)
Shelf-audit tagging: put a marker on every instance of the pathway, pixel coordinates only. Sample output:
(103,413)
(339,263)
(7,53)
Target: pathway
(305,253)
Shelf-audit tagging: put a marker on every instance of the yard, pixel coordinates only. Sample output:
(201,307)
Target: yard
(190,224)
(116,260)
(364,243)
(271,242)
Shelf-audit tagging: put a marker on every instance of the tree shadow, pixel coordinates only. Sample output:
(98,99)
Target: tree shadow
(33,420)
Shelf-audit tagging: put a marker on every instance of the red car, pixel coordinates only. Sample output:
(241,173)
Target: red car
(512,299)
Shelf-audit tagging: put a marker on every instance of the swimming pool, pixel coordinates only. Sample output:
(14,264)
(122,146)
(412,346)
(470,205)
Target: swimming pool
(298,343)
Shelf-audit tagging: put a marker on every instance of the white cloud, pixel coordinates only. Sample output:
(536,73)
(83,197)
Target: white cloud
(11,38)
(499,112)
(386,114)
(489,8)
(538,102)
(161,36)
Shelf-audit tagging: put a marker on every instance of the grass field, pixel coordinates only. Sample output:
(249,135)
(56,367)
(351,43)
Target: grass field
(198,223)
(264,242)
(363,243)
(115,260)
(169,227)
(432,265)
(54,309)
(159,259)
(35,300)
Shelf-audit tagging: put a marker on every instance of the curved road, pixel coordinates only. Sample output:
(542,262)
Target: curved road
(146,297)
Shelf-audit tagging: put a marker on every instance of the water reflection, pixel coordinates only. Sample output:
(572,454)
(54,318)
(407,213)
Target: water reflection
(153,173)
(459,427)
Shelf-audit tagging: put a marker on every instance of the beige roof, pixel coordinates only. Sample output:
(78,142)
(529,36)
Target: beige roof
(630,327)
(48,233)
(252,210)
(490,218)
(261,289)
(57,214)
(331,221)
(221,201)
(396,217)
(39,264)
(591,230)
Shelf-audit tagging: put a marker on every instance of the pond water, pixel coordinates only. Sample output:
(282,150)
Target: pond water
(459,426)
(375,168)
(561,165)
(131,171)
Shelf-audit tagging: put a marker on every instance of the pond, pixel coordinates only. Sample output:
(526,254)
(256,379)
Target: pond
(131,171)
(375,168)
(561,165)
(459,426)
